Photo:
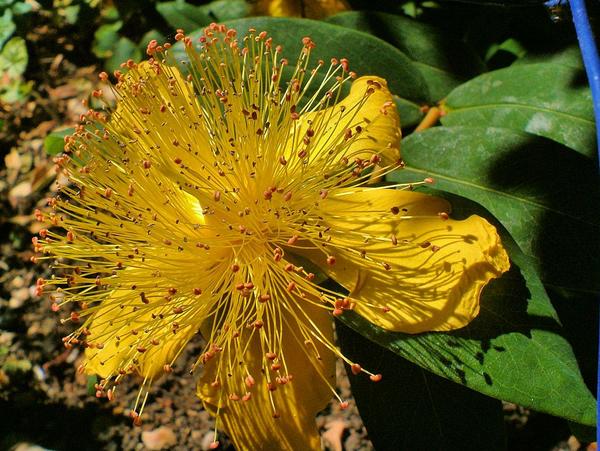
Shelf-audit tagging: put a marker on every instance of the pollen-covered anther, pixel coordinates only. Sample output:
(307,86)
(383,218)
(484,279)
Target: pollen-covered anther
(291,286)
(235,267)
(271,356)
(258,324)
(264,298)
(429,180)
(249,381)
(293,240)
(70,236)
(271,386)
(214,445)
(355,368)
(385,309)
(395,210)
(197,291)
(344,405)
(331,260)
(375,377)
(275,366)
(167,368)
(443,215)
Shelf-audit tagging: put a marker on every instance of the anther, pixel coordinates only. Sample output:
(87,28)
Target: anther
(375,377)
(331,260)
(443,215)
(292,240)
(395,210)
(264,298)
(344,405)
(355,368)
(235,267)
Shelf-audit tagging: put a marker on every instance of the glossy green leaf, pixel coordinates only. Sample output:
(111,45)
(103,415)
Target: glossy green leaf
(429,412)
(54,143)
(548,100)
(124,49)
(410,112)
(443,61)
(179,14)
(223,10)
(569,56)
(14,57)
(545,194)
(368,55)
(514,350)
(7,27)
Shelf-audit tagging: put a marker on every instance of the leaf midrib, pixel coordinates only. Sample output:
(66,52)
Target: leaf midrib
(520,105)
(500,193)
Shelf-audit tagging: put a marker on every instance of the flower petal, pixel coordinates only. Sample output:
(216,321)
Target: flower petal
(364,123)
(251,424)
(112,321)
(314,9)
(419,272)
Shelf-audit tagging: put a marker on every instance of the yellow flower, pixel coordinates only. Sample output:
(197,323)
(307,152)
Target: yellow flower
(314,9)
(204,202)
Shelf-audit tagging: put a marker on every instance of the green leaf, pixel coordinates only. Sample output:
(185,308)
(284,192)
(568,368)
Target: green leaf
(124,49)
(546,195)
(222,10)
(71,13)
(367,55)
(513,350)
(7,27)
(14,57)
(547,100)
(180,14)
(569,56)
(429,412)
(510,45)
(105,39)
(21,8)
(444,61)
(410,113)
(54,143)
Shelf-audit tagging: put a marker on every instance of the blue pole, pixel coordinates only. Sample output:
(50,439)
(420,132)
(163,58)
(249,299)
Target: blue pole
(589,53)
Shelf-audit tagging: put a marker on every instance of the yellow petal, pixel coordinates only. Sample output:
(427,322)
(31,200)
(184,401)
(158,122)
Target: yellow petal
(435,272)
(134,330)
(314,9)
(251,424)
(368,108)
